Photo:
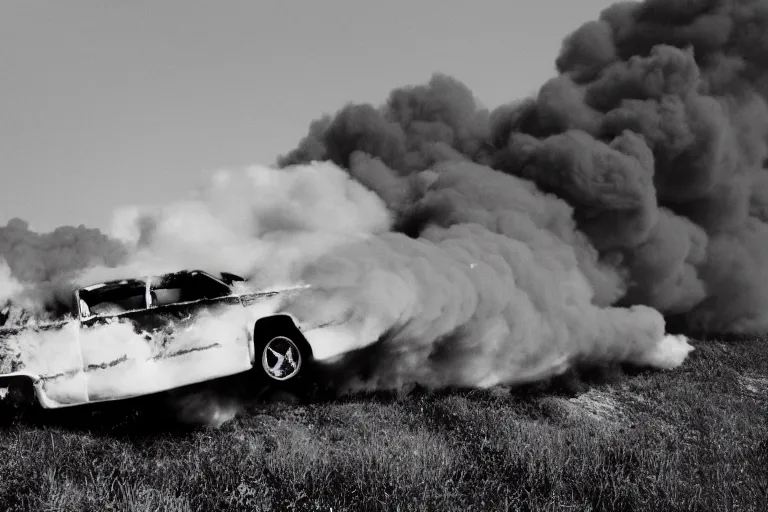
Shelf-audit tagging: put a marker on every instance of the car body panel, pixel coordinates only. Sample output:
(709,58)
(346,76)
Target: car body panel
(89,358)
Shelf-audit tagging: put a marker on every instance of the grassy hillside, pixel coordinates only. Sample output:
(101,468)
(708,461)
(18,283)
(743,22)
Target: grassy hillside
(692,439)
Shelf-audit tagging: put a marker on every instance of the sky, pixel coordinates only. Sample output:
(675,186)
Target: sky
(117,103)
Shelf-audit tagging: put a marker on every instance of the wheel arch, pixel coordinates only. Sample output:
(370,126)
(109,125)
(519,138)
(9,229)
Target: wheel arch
(275,324)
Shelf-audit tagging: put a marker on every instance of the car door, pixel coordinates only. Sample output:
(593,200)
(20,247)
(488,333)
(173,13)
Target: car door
(117,342)
(184,334)
(51,353)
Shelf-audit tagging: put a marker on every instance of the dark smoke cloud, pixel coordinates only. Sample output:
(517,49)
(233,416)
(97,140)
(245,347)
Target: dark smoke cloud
(42,263)
(653,134)
(36,257)
(419,126)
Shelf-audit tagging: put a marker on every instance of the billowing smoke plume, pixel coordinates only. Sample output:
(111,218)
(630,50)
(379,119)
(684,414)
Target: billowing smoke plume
(654,134)
(492,290)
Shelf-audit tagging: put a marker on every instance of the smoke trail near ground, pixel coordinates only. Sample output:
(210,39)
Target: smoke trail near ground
(494,289)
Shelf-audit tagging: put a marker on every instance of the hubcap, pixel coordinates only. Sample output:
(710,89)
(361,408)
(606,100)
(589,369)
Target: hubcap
(281,358)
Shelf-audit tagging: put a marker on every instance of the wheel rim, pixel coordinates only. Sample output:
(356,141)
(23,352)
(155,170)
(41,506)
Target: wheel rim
(281,358)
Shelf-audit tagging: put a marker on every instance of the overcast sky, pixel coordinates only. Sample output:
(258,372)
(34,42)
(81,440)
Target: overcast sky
(109,103)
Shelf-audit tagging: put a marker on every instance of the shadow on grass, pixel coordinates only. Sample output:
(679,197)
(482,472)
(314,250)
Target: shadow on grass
(134,418)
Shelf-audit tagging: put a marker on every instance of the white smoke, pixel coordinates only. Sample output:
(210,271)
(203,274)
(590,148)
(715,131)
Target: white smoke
(9,286)
(260,222)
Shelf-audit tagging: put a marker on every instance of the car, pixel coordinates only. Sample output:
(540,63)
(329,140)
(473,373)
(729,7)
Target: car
(135,337)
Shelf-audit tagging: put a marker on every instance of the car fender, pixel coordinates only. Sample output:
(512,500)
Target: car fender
(281,317)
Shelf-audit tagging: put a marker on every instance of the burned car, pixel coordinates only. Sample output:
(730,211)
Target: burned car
(136,337)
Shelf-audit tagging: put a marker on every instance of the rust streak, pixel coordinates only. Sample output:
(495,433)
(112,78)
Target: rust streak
(124,359)
(185,351)
(104,366)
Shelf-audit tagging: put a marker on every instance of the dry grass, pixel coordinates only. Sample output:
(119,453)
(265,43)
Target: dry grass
(692,439)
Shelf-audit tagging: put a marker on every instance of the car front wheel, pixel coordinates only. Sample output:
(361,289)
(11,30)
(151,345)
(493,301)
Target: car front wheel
(283,360)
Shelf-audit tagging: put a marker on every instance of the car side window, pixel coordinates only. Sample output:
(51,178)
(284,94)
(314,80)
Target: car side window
(165,296)
(187,288)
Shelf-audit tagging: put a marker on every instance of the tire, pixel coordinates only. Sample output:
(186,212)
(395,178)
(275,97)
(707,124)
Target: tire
(283,356)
